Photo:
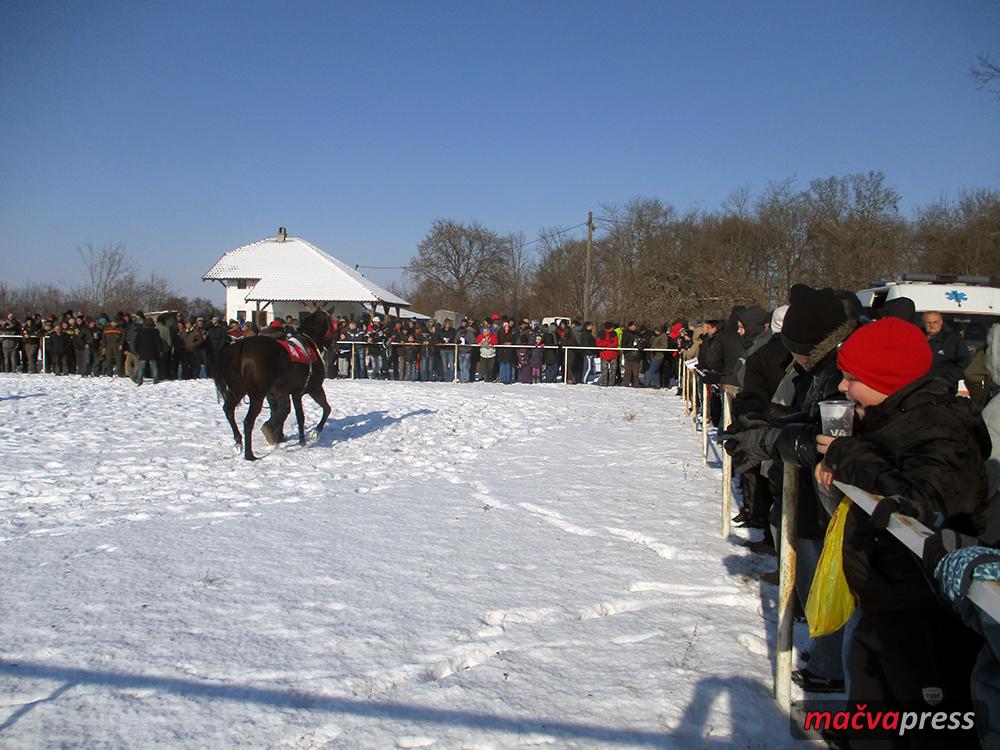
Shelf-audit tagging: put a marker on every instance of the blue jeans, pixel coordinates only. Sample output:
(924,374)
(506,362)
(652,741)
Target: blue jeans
(376,366)
(359,362)
(411,371)
(652,376)
(827,651)
(551,372)
(465,367)
(448,363)
(154,368)
(507,372)
(426,369)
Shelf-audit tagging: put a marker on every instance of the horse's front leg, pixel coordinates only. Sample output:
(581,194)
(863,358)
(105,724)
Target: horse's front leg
(300,417)
(256,404)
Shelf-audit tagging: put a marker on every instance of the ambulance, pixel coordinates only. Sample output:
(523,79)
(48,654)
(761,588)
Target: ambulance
(968,304)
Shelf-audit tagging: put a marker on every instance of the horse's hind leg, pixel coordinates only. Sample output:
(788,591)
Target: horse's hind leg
(300,417)
(274,427)
(256,404)
(319,396)
(229,409)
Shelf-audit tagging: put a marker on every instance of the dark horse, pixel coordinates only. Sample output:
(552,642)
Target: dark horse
(259,367)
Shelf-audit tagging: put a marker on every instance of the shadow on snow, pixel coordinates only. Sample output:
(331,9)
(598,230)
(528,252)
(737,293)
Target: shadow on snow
(696,726)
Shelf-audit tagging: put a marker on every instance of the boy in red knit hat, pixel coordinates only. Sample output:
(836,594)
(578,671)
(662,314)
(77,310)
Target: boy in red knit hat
(923,450)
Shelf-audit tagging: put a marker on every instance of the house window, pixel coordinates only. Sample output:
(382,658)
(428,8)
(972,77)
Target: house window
(241,315)
(241,284)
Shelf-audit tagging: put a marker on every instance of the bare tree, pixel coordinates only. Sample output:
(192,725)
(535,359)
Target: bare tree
(108,271)
(459,261)
(985,72)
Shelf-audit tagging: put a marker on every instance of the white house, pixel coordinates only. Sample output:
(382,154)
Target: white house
(280,276)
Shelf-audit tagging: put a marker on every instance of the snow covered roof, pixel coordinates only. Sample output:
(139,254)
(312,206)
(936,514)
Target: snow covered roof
(294,270)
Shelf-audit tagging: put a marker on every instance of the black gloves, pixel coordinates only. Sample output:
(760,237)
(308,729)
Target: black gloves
(885,507)
(711,377)
(751,443)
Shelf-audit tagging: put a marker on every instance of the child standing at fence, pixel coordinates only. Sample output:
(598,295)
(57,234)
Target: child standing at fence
(923,450)
(537,357)
(410,359)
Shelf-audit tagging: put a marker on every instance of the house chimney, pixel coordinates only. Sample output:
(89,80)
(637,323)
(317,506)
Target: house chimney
(282,234)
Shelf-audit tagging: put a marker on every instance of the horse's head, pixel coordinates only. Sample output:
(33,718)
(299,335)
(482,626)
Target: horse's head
(317,326)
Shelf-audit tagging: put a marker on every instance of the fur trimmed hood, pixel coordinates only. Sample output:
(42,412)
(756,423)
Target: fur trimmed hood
(834,339)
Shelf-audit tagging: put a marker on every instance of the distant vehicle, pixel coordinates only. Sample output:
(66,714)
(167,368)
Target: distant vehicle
(556,320)
(440,316)
(968,304)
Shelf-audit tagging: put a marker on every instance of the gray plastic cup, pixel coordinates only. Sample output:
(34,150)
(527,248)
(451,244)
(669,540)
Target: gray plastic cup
(837,417)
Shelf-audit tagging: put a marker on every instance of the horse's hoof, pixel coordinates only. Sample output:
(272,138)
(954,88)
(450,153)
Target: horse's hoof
(268,434)
(251,457)
(302,442)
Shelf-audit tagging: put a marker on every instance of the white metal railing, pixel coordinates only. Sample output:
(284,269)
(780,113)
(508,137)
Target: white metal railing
(456,346)
(912,533)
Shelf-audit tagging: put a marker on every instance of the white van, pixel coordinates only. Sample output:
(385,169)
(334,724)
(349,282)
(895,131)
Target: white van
(968,304)
(555,320)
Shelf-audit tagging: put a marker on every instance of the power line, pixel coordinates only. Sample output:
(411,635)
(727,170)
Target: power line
(554,234)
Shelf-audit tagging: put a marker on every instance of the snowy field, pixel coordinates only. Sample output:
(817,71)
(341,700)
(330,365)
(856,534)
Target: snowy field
(445,566)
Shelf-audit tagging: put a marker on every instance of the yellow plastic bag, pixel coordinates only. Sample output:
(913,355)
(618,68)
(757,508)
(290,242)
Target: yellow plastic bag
(830,602)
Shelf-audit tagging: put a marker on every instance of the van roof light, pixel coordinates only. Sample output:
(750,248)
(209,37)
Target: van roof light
(946,278)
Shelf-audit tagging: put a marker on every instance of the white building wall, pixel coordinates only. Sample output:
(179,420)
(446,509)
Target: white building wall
(237,308)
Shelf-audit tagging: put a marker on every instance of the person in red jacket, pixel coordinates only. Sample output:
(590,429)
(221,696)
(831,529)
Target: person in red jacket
(487,341)
(607,343)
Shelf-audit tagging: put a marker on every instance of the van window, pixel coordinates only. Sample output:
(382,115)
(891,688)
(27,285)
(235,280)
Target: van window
(972,328)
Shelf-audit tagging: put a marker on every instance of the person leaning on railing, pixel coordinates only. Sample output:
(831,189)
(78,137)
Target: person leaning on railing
(10,344)
(923,450)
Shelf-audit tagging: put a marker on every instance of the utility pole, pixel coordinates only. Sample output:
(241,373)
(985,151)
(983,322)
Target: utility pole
(586,282)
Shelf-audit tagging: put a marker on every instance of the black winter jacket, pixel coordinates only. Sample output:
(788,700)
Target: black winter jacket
(710,354)
(928,446)
(148,344)
(951,357)
(764,371)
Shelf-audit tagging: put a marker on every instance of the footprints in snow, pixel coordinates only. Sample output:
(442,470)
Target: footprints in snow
(556,519)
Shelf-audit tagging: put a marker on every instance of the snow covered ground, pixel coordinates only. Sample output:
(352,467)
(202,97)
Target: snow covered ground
(446,566)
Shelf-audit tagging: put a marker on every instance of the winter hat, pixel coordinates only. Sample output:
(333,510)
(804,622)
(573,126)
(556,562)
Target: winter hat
(812,315)
(886,355)
(777,318)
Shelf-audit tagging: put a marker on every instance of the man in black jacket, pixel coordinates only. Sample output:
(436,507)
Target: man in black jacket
(814,326)
(951,355)
(148,347)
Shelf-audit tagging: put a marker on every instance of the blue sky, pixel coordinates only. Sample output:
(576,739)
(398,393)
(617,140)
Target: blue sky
(188,129)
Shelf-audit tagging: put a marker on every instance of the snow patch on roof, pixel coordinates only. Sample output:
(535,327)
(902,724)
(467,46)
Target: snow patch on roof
(296,270)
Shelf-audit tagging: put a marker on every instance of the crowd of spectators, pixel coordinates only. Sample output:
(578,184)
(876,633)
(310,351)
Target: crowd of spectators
(502,349)
(112,346)
(498,348)
(917,445)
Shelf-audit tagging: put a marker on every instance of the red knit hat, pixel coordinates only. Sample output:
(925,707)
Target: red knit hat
(886,355)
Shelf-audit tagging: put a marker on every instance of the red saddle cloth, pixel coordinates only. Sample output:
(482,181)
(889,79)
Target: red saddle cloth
(299,351)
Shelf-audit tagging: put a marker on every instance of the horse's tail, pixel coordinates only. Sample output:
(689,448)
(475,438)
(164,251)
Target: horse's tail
(226,371)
